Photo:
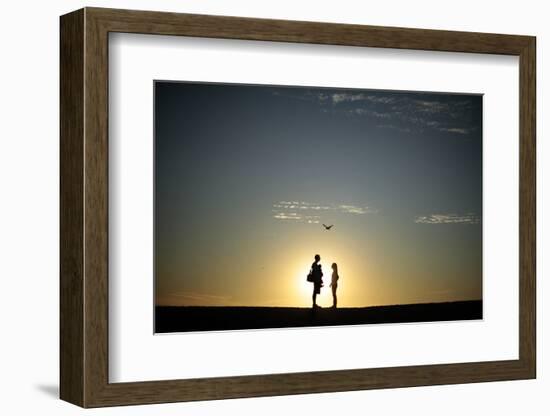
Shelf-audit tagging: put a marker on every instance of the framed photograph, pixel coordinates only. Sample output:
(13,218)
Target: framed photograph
(236,246)
(256,207)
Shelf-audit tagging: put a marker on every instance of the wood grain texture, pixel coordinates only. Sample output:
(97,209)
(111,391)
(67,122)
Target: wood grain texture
(84,207)
(162,23)
(527,208)
(71,208)
(96,219)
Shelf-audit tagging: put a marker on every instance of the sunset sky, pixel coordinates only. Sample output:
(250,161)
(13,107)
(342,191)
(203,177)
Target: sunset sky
(246,175)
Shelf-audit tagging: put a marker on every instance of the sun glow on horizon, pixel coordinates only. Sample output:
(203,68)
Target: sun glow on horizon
(300,289)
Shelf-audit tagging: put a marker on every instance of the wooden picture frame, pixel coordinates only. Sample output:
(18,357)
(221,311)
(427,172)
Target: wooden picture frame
(84,207)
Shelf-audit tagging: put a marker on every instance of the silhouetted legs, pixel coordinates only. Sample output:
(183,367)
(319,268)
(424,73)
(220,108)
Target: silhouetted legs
(316,291)
(334,298)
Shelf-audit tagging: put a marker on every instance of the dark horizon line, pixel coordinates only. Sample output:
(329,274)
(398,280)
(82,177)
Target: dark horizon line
(309,307)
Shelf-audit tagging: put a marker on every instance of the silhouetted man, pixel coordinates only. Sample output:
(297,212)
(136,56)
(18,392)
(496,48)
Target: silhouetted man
(317,274)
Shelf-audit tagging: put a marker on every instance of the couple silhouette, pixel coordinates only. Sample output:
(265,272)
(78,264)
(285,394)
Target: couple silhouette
(316,277)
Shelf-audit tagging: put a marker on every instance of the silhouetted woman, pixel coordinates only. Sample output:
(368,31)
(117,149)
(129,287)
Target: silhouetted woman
(334,284)
(317,274)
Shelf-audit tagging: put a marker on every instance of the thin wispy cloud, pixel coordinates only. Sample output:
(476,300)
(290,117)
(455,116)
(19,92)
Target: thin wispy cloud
(293,216)
(287,216)
(456,130)
(354,209)
(469,218)
(300,205)
(401,112)
(311,213)
(432,107)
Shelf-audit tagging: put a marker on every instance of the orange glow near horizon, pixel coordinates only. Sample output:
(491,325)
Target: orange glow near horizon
(362,282)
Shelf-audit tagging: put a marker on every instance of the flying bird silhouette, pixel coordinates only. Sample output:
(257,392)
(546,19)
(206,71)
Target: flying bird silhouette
(328,227)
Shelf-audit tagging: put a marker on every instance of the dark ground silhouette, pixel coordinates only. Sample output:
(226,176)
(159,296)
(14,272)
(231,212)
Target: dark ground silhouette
(208,318)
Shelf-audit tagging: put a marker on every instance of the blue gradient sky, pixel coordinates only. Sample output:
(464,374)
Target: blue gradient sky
(245,176)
